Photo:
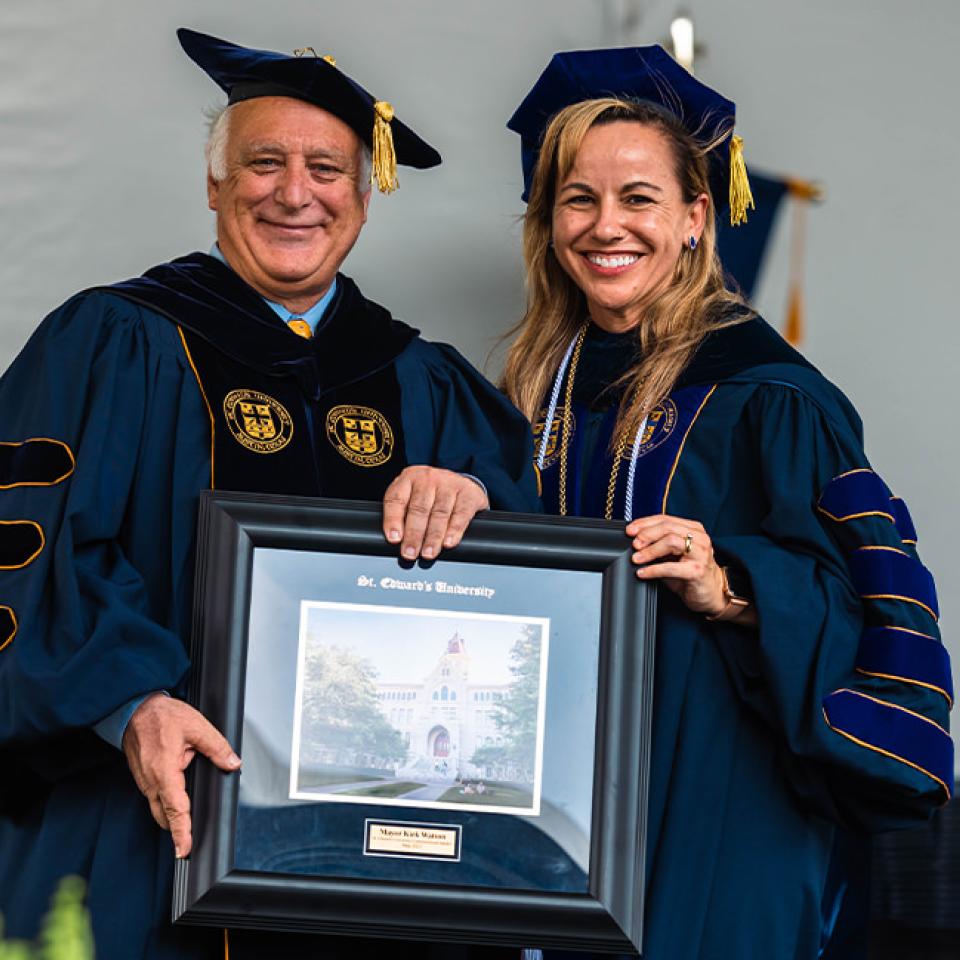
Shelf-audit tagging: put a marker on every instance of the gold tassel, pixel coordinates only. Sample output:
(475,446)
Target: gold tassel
(741,199)
(793,329)
(384,156)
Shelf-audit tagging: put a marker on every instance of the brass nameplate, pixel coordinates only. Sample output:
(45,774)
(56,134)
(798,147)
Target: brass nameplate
(404,838)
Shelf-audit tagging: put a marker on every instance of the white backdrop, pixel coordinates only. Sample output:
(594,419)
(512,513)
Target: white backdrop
(101,173)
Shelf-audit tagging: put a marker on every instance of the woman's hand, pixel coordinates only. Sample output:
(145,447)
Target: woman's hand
(680,553)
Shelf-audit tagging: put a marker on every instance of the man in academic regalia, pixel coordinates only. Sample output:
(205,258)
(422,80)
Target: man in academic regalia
(256,367)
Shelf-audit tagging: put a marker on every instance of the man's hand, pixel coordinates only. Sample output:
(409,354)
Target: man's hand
(160,741)
(426,508)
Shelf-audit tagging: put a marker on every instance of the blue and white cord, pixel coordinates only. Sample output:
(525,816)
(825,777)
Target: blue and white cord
(542,456)
(554,397)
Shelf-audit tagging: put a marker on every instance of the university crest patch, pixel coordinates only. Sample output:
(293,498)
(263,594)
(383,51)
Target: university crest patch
(257,421)
(360,435)
(661,422)
(561,415)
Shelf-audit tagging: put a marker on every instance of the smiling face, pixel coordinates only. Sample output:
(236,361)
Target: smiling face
(620,221)
(290,207)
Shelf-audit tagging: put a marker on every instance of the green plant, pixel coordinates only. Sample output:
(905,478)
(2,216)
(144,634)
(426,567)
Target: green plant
(66,933)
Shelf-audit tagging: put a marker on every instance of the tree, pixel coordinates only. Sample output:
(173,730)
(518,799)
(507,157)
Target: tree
(341,721)
(490,755)
(516,714)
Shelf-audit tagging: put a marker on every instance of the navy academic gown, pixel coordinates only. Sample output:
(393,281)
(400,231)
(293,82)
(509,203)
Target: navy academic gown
(833,711)
(124,405)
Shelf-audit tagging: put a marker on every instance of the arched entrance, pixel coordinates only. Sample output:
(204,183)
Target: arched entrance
(438,743)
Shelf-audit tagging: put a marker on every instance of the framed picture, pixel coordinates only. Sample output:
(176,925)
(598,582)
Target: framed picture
(449,751)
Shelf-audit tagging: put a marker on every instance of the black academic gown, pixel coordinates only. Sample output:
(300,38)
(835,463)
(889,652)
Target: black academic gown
(124,405)
(833,711)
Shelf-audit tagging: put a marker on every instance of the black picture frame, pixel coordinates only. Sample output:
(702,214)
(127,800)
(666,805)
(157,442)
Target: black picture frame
(210,890)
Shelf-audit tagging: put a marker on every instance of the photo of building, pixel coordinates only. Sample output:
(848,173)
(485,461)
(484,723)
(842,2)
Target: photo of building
(419,707)
(446,718)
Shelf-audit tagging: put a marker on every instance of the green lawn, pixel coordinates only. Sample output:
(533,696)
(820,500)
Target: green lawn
(496,794)
(388,789)
(321,778)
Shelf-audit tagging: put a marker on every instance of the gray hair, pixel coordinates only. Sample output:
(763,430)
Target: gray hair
(215,151)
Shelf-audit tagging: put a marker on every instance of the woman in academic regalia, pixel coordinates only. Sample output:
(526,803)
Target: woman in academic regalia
(801,684)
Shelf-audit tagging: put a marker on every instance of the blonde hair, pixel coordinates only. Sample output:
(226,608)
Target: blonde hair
(675,322)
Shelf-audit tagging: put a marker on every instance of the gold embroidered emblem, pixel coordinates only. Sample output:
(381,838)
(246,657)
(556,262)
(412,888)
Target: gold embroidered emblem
(257,421)
(661,422)
(560,415)
(360,435)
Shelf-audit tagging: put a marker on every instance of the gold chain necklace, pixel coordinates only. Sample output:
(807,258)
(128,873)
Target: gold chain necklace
(567,417)
(565,436)
(612,485)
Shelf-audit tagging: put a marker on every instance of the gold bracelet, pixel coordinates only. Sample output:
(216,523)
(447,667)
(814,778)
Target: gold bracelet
(735,605)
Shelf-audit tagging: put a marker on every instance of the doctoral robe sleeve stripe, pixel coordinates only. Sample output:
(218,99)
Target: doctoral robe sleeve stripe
(893,731)
(885,573)
(856,494)
(35,462)
(21,542)
(8,626)
(903,520)
(894,653)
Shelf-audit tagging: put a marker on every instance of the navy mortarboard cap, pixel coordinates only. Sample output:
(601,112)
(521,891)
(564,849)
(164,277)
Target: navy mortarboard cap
(637,73)
(244,74)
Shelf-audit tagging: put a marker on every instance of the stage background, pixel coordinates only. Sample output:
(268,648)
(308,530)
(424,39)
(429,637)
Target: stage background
(101,174)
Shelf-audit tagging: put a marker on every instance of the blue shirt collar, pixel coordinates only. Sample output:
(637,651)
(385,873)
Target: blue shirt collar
(312,316)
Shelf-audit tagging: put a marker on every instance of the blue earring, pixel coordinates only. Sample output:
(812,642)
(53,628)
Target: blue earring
(693,243)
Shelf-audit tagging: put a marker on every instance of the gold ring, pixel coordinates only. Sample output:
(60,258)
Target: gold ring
(687,544)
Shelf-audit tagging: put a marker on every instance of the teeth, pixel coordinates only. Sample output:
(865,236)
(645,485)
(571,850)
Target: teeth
(623,261)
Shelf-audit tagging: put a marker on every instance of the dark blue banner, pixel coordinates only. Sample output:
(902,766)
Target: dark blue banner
(742,248)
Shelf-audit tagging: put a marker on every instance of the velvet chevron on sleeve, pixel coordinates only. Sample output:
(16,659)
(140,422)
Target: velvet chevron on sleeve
(100,612)
(94,625)
(847,623)
(897,703)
